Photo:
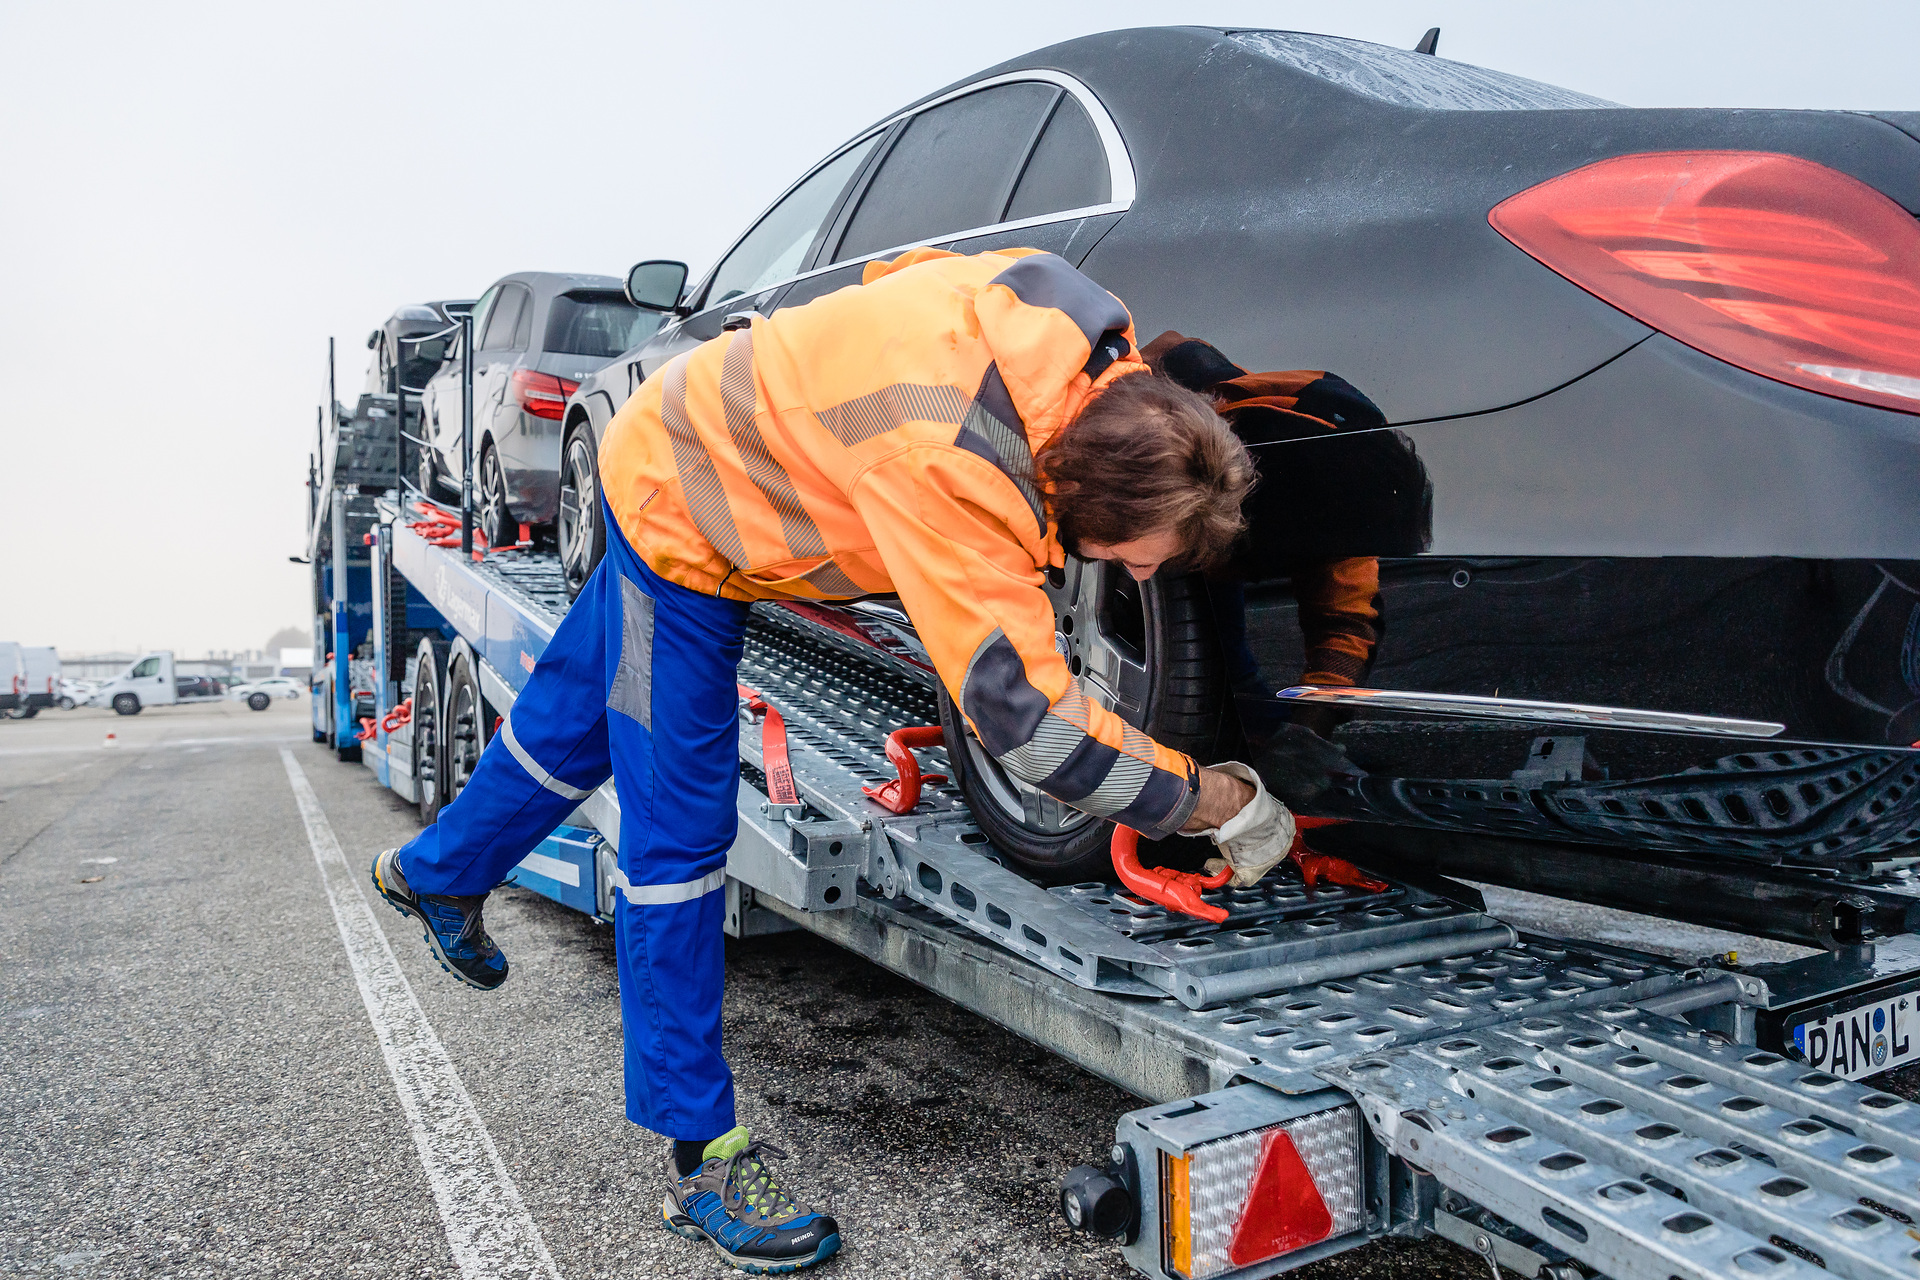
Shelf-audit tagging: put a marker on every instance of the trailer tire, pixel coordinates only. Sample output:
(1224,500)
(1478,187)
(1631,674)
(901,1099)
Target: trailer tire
(578,527)
(126,704)
(1165,626)
(466,729)
(429,692)
(259,701)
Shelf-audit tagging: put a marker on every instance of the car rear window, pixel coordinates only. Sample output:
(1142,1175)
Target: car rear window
(601,325)
(1408,79)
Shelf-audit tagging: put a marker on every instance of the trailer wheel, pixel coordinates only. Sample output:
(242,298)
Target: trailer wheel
(583,538)
(259,701)
(465,733)
(429,683)
(493,517)
(1153,645)
(126,704)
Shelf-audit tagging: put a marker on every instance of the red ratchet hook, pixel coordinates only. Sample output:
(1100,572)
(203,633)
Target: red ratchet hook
(1180,890)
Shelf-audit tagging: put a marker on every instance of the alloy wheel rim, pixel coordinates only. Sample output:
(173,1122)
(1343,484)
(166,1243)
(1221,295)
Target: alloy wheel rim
(493,497)
(577,511)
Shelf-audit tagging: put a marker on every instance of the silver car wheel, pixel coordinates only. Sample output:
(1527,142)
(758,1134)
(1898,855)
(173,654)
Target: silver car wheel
(579,510)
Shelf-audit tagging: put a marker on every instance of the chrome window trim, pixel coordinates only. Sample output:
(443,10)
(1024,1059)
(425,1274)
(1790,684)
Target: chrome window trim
(1524,709)
(1120,177)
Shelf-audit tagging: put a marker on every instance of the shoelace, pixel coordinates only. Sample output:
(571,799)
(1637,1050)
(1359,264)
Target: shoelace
(760,1190)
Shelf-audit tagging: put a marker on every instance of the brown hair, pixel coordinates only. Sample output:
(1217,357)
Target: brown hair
(1146,454)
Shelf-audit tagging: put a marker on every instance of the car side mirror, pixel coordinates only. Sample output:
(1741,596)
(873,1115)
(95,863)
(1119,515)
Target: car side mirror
(655,285)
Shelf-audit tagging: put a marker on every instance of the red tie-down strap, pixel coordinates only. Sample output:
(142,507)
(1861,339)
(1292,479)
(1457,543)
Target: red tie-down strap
(1180,890)
(903,793)
(773,747)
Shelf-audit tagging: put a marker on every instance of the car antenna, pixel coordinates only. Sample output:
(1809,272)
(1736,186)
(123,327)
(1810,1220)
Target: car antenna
(1430,42)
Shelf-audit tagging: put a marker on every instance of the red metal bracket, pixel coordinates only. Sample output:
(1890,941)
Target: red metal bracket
(1174,890)
(903,793)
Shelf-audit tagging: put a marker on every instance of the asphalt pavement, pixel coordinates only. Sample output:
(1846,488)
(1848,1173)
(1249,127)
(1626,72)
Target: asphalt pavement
(193,1085)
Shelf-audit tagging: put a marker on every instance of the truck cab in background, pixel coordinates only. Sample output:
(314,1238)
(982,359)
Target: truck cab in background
(13,677)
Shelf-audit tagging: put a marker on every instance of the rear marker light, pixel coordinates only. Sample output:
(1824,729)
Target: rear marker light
(1781,266)
(542,394)
(1236,1201)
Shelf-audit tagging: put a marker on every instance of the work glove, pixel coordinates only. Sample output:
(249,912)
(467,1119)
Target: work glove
(1253,841)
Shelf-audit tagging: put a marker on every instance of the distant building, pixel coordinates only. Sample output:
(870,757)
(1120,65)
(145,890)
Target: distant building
(296,662)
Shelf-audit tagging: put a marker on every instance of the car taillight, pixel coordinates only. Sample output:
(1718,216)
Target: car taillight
(1781,266)
(1236,1201)
(542,394)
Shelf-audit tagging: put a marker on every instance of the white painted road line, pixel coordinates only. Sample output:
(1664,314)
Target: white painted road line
(488,1226)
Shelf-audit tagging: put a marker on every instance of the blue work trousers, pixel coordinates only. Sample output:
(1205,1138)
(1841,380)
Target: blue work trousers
(637,683)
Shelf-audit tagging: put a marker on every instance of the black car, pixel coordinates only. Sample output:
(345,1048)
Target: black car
(1640,493)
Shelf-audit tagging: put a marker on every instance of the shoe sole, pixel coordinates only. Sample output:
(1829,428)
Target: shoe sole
(426,931)
(681,1225)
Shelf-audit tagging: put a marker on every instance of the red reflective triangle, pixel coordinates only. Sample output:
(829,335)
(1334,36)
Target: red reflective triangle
(1283,1211)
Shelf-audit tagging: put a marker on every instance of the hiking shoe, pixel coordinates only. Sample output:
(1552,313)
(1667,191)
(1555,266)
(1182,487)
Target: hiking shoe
(733,1202)
(454,928)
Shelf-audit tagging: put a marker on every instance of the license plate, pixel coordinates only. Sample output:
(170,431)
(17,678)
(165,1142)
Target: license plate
(1860,1042)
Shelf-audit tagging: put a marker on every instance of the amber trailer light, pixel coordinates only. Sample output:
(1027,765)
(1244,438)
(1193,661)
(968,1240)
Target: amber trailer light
(1784,267)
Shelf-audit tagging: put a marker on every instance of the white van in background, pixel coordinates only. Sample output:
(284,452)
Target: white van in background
(150,682)
(13,677)
(38,682)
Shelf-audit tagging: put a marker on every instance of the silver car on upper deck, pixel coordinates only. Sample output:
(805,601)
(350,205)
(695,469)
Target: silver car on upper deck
(536,335)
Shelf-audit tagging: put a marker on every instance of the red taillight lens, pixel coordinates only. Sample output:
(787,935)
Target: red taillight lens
(1779,265)
(542,394)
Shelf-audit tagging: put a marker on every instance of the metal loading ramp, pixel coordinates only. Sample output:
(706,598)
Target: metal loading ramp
(1295,979)
(1647,1147)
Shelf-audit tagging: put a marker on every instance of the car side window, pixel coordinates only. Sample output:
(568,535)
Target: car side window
(502,320)
(950,170)
(523,331)
(779,242)
(148,667)
(1068,167)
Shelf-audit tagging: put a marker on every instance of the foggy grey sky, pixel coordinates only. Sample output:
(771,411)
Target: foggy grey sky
(196,196)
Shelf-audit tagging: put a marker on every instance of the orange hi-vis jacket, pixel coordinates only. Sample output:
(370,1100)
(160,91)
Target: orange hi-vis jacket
(880,440)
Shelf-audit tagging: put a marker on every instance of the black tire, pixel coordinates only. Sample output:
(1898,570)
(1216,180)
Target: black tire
(428,474)
(1177,693)
(579,528)
(259,701)
(491,515)
(66,704)
(429,692)
(465,733)
(126,704)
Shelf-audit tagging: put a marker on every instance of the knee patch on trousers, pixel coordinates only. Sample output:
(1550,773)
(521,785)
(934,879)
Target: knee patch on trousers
(632,691)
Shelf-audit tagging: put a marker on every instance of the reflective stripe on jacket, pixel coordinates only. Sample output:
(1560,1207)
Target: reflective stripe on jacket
(880,440)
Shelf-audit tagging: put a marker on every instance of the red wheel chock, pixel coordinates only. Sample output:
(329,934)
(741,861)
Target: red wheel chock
(903,793)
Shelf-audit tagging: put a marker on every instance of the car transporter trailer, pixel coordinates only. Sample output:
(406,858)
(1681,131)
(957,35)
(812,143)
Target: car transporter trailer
(1325,1068)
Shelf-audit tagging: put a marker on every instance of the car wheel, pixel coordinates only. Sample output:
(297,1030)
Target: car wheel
(126,704)
(493,518)
(583,538)
(1145,650)
(259,701)
(429,676)
(427,476)
(465,732)
(66,704)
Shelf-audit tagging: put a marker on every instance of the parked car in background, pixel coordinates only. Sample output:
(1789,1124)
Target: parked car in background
(1646,384)
(272,686)
(76,693)
(536,334)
